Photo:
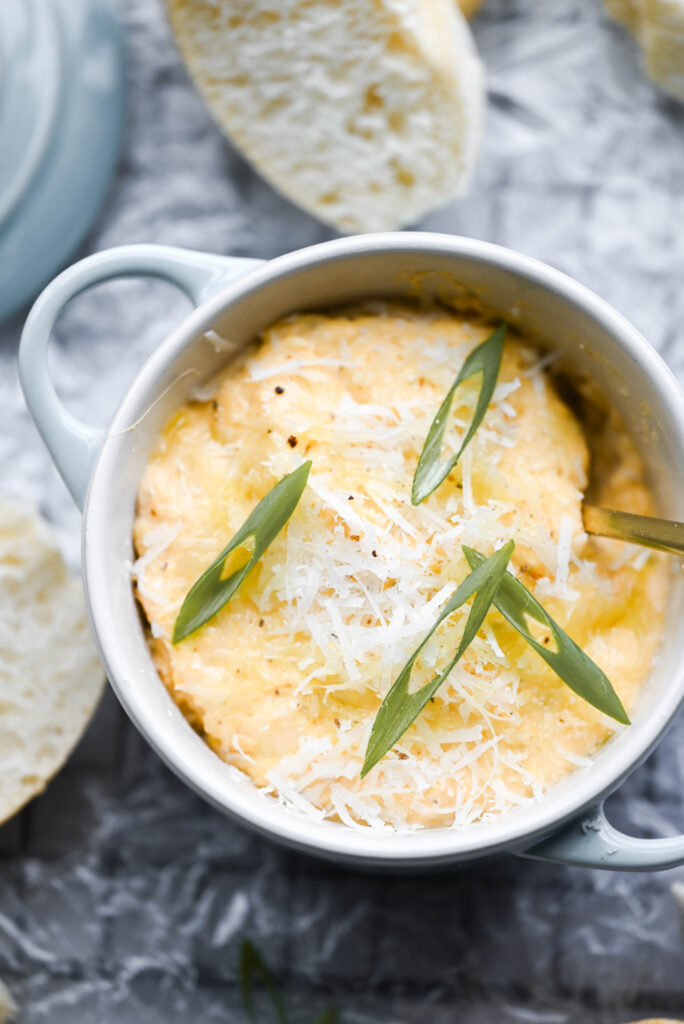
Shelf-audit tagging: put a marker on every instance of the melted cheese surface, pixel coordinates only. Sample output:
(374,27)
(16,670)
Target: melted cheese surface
(285,681)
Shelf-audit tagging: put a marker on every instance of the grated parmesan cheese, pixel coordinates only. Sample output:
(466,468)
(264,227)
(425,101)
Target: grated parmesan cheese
(287,679)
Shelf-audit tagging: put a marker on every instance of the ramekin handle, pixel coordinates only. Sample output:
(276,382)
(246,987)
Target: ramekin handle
(592,842)
(73,444)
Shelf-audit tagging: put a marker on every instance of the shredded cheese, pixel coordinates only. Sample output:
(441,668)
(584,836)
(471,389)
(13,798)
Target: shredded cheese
(287,679)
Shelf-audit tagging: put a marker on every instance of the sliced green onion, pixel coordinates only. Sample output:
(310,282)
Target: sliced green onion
(485,359)
(568,661)
(212,591)
(400,708)
(253,967)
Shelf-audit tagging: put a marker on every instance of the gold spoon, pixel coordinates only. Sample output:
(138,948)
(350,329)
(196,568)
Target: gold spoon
(650,532)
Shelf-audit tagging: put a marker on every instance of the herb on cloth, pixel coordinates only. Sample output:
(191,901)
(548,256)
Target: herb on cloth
(254,969)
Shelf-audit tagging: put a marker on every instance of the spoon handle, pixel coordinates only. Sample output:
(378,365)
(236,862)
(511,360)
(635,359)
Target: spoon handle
(661,534)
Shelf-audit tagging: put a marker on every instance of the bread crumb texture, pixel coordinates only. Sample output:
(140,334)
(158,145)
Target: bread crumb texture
(50,675)
(367,115)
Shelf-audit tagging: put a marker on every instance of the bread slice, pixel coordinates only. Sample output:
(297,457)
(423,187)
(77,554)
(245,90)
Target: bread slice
(470,7)
(626,11)
(366,114)
(658,25)
(8,1008)
(662,38)
(50,676)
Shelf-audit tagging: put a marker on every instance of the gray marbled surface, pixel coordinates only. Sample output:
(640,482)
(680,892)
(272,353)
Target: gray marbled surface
(123,898)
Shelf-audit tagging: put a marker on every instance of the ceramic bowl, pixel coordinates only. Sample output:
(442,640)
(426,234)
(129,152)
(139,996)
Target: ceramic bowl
(238,298)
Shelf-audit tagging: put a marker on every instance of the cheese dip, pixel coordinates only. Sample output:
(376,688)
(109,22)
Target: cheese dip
(285,681)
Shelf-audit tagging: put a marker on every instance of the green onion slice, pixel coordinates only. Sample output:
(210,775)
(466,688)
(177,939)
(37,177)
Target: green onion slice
(212,591)
(253,967)
(485,359)
(400,708)
(568,661)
